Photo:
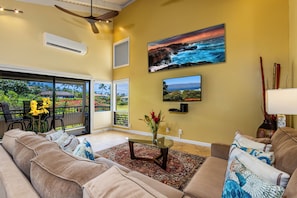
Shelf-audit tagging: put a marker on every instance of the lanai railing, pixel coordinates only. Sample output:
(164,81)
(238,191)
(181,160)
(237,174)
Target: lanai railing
(74,117)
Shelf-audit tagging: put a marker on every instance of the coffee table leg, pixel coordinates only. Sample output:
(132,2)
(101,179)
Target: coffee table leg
(131,147)
(164,152)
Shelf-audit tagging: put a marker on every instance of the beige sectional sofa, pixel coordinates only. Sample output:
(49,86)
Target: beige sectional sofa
(208,182)
(31,166)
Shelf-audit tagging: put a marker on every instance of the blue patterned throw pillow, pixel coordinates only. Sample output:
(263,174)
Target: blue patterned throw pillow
(266,172)
(242,141)
(266,157)
(84,149)
(256,149)
(243,183)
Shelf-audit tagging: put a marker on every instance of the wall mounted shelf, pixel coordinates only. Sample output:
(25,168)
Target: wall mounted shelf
(183,109)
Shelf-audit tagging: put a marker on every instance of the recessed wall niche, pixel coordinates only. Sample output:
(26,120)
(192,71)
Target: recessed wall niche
(121,53)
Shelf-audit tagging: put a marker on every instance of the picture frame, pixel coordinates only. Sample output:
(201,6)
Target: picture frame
(200,47)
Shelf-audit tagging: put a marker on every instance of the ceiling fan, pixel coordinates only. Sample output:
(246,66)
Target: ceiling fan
(92,19)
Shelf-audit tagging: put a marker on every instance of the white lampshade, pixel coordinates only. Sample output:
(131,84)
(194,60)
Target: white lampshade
(281,101)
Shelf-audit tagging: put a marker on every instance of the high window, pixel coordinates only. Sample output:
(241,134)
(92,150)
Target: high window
(121,103)
(102,96)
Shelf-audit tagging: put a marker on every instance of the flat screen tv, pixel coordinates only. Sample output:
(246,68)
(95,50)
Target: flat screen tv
(182,89)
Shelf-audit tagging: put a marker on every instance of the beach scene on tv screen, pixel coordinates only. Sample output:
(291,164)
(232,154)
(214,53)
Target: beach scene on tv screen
(182,89)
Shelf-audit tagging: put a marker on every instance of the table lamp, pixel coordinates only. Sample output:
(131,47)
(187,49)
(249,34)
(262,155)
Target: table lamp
(281,102)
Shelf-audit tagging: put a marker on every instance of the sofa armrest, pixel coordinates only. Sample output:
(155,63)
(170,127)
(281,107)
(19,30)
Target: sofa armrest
(13,183)
(220,150)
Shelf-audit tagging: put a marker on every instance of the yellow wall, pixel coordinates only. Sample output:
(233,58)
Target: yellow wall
(293,45)
(231,90)
(232,97)
(21,44)
(21,41)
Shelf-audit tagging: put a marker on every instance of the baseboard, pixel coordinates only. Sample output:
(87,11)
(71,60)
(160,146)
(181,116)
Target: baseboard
(149,134)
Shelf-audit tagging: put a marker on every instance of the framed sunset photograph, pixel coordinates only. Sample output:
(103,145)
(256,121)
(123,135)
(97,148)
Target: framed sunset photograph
(205,46)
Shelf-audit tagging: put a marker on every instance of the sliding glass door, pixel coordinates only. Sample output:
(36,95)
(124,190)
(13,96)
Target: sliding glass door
(70,99)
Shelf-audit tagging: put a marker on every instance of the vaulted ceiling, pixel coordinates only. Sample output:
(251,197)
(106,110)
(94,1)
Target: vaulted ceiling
(99,6)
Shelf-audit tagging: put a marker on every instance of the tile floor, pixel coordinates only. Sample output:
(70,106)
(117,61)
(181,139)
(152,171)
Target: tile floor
(107,139)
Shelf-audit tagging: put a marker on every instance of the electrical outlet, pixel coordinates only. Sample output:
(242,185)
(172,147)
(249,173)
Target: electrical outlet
(180,131)
(167,129)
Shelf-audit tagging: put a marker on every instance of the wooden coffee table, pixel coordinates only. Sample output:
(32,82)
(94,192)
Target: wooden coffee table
(163,144)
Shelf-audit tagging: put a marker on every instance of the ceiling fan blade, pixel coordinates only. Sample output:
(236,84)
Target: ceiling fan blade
(68,12)
(94,27)
(107,15)
(91,19)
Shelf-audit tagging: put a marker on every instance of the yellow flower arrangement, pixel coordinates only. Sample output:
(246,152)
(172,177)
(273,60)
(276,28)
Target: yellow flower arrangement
(39,124)
(35,110)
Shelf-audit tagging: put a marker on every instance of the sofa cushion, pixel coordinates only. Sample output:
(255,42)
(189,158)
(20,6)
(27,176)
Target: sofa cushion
(84,149)
(264,171)
(118,184)
(266,157)
(52,135)
(8,140)
(242,182)
(160,187)
(208,182)
(284,143)
(260,140)
(111,163)
(55,173)
(61,139)
(242,141)
(12,181)
(70,144)
(27,147)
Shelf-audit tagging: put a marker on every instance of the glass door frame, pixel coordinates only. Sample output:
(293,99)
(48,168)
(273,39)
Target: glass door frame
(27,75)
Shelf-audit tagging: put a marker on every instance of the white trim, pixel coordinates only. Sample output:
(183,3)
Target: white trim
(114,100)
(83,6)
(30,70)
(92,106)
(94,81)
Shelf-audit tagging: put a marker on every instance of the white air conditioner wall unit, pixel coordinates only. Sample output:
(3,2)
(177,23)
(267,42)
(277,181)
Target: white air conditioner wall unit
(52,40)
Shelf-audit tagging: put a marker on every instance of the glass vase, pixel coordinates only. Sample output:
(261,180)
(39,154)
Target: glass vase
(155,136)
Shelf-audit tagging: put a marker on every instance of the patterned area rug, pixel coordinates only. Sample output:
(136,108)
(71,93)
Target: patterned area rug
(180,166)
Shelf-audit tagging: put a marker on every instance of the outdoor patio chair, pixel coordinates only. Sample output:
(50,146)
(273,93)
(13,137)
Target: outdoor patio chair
(26,116)
(59,117)
(9,119)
